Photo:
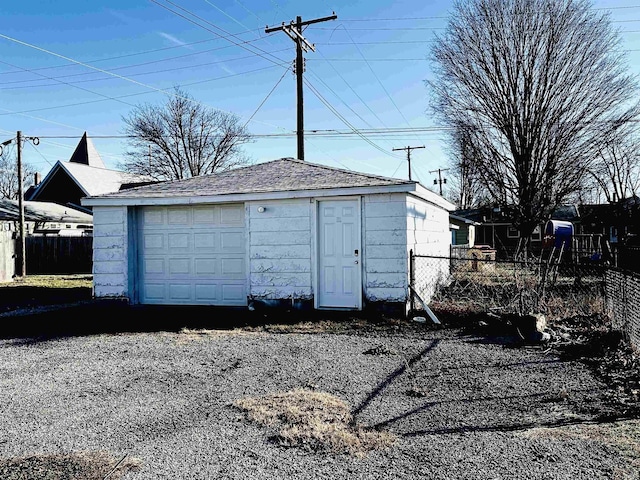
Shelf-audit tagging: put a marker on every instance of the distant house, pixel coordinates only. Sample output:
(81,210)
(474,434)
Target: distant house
(463,230)
(618,222)
(45,218)
(83,175)
(286,232)
(57,238)
(495,227)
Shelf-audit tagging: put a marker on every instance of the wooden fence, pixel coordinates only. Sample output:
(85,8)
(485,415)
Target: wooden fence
(59,255)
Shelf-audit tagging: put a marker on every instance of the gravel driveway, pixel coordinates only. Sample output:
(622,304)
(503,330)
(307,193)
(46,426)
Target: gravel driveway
(461,406)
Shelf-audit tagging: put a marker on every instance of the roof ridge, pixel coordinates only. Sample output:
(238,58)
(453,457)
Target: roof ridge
(84,165)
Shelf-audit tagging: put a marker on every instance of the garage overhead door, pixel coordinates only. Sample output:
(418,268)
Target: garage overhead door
(192,255)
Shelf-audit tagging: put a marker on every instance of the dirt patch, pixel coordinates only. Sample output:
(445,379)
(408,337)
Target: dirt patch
(588,338)
(313,421)
(592,340)
(72,466)
(624,436)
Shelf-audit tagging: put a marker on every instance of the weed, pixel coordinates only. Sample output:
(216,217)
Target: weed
(313,421)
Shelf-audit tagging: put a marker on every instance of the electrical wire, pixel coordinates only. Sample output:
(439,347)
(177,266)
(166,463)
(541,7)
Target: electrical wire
(40,153)
(267,53)
(122,77)
(261,53)
(101,79)
(143,93)
(266,98)
(107,97)
(345,121)
(382,85)
(146,52)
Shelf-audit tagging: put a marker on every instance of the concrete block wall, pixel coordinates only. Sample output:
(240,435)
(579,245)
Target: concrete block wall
(385,248)
(7,256)
(110,252)
(280,249)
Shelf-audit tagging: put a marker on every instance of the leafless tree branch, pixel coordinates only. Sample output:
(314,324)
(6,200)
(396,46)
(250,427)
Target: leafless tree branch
(183,139)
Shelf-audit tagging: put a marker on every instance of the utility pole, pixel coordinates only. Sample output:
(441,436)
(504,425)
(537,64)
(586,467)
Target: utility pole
(23,247)
(294,32)
(439,180)
(18,140)
(408,149)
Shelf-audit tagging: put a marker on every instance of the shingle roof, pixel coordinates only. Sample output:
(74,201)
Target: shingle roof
(42,212)
(281,175)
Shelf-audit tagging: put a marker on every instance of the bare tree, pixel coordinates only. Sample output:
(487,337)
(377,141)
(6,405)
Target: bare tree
(616,171)
(540,85)
(183,139)
(465,191)
(9,174)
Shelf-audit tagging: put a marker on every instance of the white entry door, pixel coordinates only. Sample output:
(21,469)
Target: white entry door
(339,254)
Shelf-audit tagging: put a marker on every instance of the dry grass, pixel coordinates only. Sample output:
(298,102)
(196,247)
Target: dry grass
(193,334)
(624,436)
(320,326)
(51,281)
(72,466)
(314,421)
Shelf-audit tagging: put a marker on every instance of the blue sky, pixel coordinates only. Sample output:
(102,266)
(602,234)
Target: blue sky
(67,67)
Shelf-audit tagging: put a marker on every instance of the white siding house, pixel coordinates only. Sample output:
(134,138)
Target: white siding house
(282,232)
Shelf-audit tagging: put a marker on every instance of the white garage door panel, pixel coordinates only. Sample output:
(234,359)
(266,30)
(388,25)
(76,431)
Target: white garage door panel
(193,255)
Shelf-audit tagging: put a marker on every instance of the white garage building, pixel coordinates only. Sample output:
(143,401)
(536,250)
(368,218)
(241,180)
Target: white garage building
(281,232)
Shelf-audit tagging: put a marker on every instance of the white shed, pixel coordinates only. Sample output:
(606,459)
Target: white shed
(282,232)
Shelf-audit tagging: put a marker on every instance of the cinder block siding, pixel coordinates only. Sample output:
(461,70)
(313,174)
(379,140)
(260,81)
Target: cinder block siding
(280,249)
(385,247)
(7,253)
(428,234)
(110,256)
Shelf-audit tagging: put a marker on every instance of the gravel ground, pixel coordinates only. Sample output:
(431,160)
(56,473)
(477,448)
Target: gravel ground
(462,406)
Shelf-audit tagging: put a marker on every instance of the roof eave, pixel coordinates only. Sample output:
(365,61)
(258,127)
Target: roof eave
(433,198)
(246,197)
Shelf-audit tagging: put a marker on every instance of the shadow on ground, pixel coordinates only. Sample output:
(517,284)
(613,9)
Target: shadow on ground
(92,317)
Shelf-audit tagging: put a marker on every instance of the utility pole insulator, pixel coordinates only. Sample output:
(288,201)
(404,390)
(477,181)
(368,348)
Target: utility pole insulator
(294,32)
(439,180)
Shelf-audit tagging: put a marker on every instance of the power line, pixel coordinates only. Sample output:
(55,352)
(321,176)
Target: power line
(265,98)
(102,79)
(122,77)
(262,53)
(125,67)
(319,133)
(379,82)
(146,52)
(40,153)
(107,97)
(344,120)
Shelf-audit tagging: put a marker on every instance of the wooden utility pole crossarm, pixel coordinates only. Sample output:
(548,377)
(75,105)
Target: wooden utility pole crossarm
(294,32)
(408,149)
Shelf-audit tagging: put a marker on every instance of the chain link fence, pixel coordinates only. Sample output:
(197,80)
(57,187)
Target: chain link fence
(474,281)
(623,302)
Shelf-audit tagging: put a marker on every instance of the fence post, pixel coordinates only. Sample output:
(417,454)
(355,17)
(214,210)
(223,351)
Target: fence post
(412,279)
